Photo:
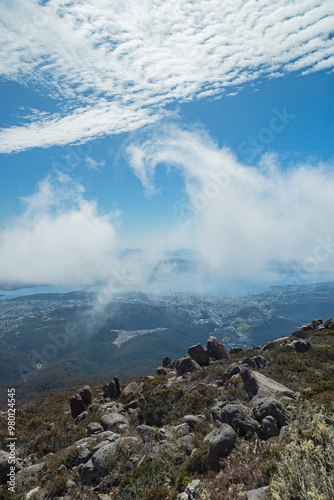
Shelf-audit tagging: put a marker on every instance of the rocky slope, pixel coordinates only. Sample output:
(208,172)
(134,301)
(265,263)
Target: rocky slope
(209,425)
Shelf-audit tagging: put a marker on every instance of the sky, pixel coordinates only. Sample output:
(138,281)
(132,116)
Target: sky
(133,134)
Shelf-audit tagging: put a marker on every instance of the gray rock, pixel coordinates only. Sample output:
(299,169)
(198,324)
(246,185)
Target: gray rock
(259,494)
(166,362)
(162,371)
(82,417)
(231,370)
(221,443)
(5,466)
(264,407)
(83,456)
(284,432)
(89,475)
(191,491)
(30,476)
(249,361)
(146,433)
(240,418)
(80,401)
(191,420)
(133,405)
(182,429)
(69,485)
(216,412)
(199,354)
(94,428)
(215,349)
(86,395)
(132,387)
(110,421)
(270,428)
(260,361)
(317,322)
(301,345)
(77,405)
(104,457)
(113,390)
(185,365)
(328,322)
(255,382)
(306,328)
(236,350)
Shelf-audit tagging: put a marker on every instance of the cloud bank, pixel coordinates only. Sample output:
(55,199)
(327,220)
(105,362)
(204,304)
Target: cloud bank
(113,66)
(246,220)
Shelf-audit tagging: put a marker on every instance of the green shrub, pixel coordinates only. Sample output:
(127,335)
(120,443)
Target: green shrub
(197,463)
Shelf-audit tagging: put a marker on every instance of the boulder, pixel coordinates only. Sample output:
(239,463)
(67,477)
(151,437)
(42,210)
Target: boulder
(111,421)
(306,328)
(301,345)
(113,390)
(89,475)
(191,491)
(94,428)
(215,349)
(86,395)
(162,371)
(258,494)
(133,405)
(30,476)
(317,322)
(83,456)
(182,429)
(221,442)
(199,354)
(231,370)
(240,418)
(146,433)
(104,457)
(270,428)
(255,382)
(236,350)
(166,362)
(328,322)
(77,405)
(80,401)
(83,416)
(249,361)
(132,387)
(185,365)
(264,407)
(191,420)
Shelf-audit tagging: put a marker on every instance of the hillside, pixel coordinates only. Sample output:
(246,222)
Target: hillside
(209,425)
(51,341)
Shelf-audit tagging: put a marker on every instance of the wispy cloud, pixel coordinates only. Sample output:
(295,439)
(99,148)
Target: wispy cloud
(114,66)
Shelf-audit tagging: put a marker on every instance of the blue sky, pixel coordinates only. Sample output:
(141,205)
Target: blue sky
(162,126)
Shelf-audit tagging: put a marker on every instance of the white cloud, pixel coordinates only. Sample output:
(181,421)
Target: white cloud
(115,65)
(61,238)
(245,219)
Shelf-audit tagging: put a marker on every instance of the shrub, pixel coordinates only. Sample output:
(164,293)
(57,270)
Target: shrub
(197,463)
(306,469)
